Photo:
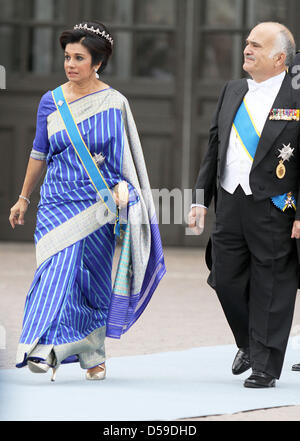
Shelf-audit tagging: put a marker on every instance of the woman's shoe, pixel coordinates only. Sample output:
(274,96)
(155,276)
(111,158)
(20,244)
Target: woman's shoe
(41,368)
(54,370)
(99,375)
(37,367)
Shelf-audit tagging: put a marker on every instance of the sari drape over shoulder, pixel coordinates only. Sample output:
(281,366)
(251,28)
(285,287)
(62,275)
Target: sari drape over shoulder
(71,305)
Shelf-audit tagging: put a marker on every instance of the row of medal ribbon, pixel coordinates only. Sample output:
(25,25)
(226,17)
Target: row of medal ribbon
(285,114)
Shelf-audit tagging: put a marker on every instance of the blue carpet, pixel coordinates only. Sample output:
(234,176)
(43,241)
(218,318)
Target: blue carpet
(164,386)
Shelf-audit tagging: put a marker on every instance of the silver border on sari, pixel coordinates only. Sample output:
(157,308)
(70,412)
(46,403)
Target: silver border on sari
(73,230)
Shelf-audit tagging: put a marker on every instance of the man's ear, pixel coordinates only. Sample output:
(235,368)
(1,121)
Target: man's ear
(280,59)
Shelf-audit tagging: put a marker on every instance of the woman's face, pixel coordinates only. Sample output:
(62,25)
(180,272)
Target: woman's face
(78,63)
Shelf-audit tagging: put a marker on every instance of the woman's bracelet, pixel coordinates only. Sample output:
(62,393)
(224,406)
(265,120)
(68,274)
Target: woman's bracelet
(25,199)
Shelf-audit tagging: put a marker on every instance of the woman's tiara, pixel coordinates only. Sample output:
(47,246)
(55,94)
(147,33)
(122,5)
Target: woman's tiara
(96,31)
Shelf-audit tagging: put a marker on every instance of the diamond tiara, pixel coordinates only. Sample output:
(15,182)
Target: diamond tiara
(96,31)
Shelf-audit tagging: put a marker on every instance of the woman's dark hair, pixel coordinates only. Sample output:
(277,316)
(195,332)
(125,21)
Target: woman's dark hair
(99,47)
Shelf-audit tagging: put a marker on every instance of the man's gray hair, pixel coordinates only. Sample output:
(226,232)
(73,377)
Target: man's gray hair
(284,43)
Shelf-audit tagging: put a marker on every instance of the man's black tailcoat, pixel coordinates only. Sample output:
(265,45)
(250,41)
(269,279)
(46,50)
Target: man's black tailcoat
(255,269)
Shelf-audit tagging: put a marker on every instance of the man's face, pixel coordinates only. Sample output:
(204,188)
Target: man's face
(259,45)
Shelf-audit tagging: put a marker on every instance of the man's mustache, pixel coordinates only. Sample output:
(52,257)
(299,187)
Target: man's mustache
(249,57)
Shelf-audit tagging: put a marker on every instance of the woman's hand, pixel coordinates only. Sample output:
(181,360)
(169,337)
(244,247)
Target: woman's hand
(121,194)
(33,174)
(17,213)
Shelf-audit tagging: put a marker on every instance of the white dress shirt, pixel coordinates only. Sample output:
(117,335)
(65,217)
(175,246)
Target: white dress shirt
(259,100)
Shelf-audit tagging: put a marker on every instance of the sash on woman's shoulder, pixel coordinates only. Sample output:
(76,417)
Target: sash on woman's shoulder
(84,154)
(141,264)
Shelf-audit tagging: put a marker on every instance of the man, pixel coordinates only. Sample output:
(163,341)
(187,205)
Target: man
(253,159)
(295,72)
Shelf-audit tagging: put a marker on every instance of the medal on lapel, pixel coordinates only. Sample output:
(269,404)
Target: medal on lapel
(280,170)
(285,153)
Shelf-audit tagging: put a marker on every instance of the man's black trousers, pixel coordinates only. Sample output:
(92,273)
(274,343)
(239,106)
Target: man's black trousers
(255,274)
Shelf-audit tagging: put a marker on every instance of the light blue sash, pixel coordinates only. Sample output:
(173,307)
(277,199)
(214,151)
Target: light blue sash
(249,137)
(84,155)
(246,131)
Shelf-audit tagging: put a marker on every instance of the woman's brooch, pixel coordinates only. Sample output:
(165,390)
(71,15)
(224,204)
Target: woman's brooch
(99,159)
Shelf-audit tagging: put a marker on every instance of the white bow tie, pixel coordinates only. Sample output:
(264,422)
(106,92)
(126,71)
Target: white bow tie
(253,85)
(267,84)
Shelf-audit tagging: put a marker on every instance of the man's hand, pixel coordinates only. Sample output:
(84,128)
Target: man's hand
(296,230)
(196,219)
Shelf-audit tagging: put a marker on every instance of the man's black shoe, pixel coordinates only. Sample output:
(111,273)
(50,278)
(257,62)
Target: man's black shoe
(296,367)
(241,363)
(260,380)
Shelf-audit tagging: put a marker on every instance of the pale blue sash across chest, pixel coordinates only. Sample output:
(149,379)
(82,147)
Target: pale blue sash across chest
(249,137)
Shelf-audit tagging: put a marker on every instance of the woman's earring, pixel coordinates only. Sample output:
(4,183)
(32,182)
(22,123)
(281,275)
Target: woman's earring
(97,76)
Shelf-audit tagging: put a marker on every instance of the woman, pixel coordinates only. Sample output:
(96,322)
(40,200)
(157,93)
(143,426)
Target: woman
(96,180)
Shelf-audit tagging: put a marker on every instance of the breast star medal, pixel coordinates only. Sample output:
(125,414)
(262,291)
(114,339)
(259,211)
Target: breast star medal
(285,154)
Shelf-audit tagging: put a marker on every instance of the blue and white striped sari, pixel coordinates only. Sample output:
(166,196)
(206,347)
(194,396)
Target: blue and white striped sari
(71,305)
